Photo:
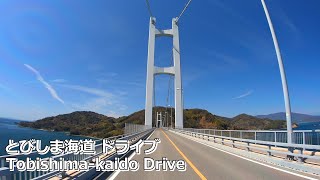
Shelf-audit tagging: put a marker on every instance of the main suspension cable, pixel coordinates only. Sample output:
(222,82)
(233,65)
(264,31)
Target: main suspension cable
(149,8)
(184,9)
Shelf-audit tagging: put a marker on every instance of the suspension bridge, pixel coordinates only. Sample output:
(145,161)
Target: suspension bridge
(208,153)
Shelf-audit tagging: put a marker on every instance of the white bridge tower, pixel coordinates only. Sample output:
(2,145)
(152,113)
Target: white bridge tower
(174,70)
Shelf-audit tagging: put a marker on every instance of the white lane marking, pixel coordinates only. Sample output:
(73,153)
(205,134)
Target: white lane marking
(116,173)
(266,165)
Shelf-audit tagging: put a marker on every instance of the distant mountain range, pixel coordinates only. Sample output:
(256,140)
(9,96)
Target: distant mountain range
(97,125)
(296,117)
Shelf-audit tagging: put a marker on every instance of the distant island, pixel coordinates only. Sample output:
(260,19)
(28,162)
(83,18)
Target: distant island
(296,117)
(86,123)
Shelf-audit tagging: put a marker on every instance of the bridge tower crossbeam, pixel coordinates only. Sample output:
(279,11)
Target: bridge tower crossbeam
(174,70)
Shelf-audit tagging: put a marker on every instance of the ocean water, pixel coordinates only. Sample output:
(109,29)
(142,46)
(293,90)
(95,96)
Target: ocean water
(10,130)
(308,126)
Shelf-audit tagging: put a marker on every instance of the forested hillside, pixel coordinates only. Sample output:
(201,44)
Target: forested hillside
(88,123)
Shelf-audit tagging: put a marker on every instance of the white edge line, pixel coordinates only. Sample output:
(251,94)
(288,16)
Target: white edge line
(116,173)
(279,169)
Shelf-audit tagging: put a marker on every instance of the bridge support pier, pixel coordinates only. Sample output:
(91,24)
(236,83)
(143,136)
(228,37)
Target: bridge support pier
(174,70)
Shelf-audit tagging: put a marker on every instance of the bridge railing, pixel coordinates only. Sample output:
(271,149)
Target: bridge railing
(304,137)
(262,145)
(5,172)
(270,142)
(133,128)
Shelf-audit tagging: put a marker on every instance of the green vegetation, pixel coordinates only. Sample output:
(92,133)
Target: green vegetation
(92,124)
(78,123)
(244,122)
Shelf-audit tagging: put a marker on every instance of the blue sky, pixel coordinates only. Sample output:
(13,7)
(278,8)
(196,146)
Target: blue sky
(63,56)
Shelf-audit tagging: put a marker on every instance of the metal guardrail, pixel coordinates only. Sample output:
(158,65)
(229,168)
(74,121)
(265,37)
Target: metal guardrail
(103,175)
(259,138)
(133,128)
(304,137)
(6,174)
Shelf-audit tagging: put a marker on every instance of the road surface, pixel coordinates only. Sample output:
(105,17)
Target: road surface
(203,162)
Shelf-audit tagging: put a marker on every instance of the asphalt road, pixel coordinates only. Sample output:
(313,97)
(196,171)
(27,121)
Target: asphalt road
(204,162)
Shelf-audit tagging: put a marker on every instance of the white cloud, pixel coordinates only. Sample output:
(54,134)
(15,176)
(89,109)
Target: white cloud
(89,90)
(227,60)
(136,84)
(103,102)
(45,83)
(288,22)
(95,104)
(244,95)
(113,114)
(108,77)
(59,80)
(101,105)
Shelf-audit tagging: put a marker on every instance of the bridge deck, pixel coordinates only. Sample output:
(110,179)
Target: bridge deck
(211,163)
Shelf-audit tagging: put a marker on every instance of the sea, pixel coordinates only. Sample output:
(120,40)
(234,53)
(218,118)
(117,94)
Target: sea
(9,129)
(308,126)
